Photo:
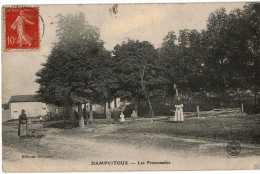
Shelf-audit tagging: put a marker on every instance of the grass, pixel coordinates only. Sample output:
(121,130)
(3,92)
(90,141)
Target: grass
(240,128)
(66,140)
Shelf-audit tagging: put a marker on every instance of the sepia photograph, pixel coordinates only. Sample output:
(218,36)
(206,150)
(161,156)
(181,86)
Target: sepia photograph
(130,87)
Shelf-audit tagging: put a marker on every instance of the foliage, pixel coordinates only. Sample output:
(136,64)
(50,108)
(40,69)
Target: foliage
(181,63)
(224,57)
(135,66)
(232,49)
(220,59)
(75,71)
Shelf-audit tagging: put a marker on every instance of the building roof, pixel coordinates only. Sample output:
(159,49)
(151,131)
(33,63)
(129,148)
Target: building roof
(23,98)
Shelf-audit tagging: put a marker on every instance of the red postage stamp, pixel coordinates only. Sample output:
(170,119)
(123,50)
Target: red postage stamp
(21,28)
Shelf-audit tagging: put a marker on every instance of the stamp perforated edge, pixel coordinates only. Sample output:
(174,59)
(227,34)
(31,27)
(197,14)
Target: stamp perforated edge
(4,29)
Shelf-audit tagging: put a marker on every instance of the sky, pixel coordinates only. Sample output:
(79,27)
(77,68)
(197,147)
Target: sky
(149,22)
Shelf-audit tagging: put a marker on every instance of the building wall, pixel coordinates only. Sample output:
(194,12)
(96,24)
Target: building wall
(52,110)
(32,109)
(112,104)
(6,115)
(95,108)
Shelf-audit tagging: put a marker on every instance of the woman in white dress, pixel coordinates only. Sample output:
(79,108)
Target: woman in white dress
(179,110)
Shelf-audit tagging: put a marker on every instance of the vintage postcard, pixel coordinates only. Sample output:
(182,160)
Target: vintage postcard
(130,87)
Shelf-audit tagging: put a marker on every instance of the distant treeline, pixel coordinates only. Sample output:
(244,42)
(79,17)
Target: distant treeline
(216,62)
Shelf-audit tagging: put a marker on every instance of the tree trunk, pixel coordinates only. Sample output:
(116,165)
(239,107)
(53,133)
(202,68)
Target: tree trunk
(106,109)
(255,102)
(108,104)
(85,112)
(150,107)
(176,90)
(90,112)
(115,102)
(68,112)
(81,118)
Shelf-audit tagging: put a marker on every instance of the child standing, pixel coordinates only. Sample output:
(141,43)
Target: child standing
(122,117)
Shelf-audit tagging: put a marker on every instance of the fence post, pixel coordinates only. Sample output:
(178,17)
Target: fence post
(242,108)
(198,110)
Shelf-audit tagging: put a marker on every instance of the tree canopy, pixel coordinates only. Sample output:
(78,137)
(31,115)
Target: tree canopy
(72,73)
(222,58)
(136,68)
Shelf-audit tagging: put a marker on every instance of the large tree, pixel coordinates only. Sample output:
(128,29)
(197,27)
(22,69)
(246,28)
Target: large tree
(232,50)
(219,60)
(251,16)
(75,71)
(181,62)
(136,70)
(216,53)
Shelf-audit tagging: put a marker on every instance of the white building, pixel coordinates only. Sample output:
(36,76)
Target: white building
(34,108)
(29,103)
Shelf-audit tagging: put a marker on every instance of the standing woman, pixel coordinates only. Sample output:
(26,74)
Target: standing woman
(22,129)
(179,110)
(179,107)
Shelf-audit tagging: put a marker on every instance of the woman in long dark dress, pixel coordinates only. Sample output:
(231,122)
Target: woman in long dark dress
(22,129)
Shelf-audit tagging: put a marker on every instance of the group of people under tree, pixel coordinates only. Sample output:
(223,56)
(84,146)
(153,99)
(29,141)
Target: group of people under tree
(214,72)
(117,113)
(114,114)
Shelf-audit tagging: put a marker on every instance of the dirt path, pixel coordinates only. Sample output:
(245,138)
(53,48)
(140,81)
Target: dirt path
(78,150)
